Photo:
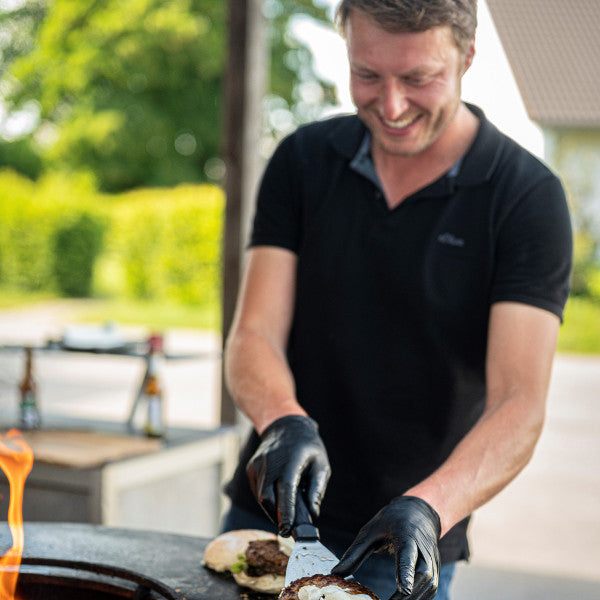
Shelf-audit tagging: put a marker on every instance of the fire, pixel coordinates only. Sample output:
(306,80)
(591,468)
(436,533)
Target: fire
(16,460)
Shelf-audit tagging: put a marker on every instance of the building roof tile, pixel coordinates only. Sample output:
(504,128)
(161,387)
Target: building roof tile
(553,47)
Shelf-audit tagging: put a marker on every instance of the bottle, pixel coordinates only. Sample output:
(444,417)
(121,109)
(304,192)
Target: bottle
(152,392)
(28,407)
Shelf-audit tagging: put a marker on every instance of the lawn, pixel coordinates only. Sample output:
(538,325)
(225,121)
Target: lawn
(153,314)
(580,331)
(13,299)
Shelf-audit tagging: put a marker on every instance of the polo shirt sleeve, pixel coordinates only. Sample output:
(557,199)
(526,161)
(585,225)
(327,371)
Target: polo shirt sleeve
(534,249)
(277,215)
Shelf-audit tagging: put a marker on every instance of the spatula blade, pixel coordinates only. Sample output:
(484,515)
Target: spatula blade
(309,557)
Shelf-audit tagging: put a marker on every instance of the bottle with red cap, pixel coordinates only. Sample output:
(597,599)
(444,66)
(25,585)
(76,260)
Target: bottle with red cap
(152,393)
(147,412)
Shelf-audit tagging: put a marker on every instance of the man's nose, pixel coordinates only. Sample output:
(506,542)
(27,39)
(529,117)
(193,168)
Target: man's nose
(394,101)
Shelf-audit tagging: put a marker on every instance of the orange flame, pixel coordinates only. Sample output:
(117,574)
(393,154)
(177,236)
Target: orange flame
(16,460)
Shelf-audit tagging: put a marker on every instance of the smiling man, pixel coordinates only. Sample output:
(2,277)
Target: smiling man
(398,315)
(407,92)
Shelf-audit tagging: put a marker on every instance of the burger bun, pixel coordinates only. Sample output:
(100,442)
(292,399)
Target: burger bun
(267,584)
(222,552)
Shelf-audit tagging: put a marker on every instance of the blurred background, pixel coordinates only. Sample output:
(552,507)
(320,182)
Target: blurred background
(132,136)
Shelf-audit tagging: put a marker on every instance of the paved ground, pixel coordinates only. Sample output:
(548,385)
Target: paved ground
(539,539)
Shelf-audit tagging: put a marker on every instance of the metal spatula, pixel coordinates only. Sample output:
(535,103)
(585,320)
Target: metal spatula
(309,556)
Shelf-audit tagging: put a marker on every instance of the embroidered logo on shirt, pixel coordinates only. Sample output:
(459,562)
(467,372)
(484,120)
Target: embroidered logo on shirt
(451,240)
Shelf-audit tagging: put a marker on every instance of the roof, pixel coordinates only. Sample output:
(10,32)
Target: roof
(553,47)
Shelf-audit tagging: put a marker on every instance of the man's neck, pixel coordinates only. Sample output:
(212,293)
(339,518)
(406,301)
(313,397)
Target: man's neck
(402,176)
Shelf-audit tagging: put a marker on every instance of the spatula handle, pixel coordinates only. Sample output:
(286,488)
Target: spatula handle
(303,526)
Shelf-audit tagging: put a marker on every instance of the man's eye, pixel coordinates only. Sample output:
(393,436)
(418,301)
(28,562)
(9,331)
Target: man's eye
(366,76)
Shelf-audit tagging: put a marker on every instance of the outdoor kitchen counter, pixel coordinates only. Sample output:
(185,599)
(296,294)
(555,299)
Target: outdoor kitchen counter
(99,473)
(172,560)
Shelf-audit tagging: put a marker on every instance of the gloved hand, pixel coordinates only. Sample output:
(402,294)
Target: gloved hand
(409,528)
(290,455)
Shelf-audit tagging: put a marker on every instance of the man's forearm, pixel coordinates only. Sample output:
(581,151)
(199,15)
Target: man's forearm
(256,369)
(521,345)
(483,463)
(259,379)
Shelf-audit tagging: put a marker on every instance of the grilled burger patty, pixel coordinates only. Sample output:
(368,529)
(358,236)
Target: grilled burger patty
(265,557)
(351,588)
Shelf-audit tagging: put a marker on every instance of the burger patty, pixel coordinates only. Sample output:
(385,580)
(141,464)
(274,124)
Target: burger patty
(350,587)
(264,557)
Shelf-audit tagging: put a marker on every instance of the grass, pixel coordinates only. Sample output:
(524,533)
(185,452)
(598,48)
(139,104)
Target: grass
(153,314)
(17,298)
(580,332)
(150,313)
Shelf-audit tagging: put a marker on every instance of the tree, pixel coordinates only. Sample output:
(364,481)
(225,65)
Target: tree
(132,90)
(292,61)
(126,89)
(18,27)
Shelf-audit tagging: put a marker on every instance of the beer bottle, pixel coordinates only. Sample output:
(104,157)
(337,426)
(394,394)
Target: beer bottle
(28,407)
(152,393)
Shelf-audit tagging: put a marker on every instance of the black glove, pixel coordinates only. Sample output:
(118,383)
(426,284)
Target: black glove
(290,455)
(409,528)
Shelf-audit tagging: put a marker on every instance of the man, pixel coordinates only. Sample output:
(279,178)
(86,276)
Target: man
(399,310)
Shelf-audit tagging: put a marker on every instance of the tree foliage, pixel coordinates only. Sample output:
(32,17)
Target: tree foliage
(292,61)
(132,90)
(19,26)
(127,89)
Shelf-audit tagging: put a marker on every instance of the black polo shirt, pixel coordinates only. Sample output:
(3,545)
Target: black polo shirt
(389,335)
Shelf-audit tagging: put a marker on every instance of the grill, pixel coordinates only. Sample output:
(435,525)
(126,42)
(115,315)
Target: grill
(77,561)
(41,578)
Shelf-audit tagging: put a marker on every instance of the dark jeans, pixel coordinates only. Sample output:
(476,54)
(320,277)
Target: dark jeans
(378,573)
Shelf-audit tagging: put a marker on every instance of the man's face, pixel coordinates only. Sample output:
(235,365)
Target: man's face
(406,86)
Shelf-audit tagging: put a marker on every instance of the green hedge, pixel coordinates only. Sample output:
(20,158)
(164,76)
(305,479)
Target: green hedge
(166,243)
(31,216)
(60,235)
(77,243)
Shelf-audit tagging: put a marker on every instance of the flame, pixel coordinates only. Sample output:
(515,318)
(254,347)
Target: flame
(16,460)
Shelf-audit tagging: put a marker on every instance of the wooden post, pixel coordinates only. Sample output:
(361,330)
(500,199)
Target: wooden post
(243,91)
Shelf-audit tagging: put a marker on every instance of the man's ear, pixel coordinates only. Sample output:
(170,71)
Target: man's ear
(469,56)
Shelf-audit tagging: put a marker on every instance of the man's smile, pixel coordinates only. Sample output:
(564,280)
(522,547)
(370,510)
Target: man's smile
(401,123)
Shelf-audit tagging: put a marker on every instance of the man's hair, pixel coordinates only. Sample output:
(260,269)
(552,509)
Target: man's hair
(399,16)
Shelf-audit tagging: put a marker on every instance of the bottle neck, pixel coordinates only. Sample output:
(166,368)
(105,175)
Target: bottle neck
(28,383)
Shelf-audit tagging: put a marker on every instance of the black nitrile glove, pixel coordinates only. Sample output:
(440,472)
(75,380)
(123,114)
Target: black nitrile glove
(290,454)
(409,528)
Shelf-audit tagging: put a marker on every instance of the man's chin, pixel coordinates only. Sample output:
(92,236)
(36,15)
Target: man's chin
(405,148)
(401,143)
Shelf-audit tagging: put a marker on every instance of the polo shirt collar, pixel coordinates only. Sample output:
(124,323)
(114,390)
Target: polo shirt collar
(483,156)
(478,163)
